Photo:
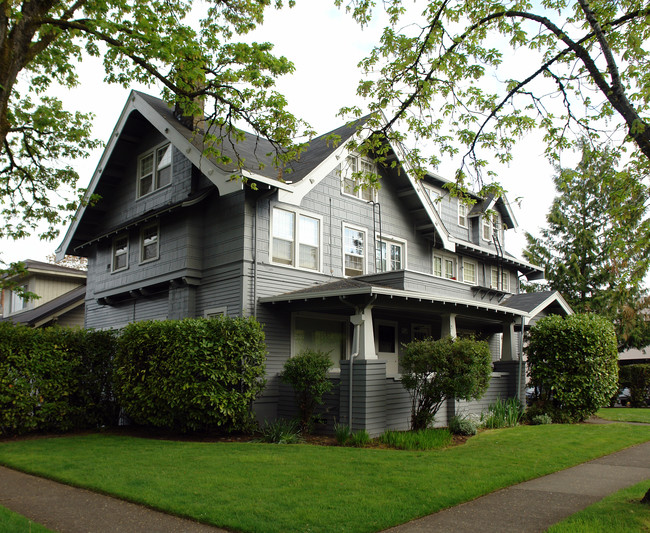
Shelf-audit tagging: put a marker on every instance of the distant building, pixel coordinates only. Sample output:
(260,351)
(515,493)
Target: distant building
(61,292)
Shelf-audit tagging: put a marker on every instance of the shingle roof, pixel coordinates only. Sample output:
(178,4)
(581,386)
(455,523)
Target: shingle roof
(529,301)
(255,150)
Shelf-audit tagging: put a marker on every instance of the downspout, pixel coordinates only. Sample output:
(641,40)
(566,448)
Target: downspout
(265,195)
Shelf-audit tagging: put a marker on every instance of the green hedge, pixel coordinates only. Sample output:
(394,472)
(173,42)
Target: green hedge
(637,379)
(54,379)
(573,362)
(192,374)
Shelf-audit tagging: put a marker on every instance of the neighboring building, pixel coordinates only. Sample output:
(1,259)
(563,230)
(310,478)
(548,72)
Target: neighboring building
(61,294)
(320,262)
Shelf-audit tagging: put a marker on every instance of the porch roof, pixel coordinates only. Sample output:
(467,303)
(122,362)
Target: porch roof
(350,287)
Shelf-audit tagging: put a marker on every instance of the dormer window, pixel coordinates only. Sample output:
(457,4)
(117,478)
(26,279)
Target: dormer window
(487,227)
(154,169)
(352,186)
(462,214)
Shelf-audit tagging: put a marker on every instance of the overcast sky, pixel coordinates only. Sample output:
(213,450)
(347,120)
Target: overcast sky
(325,46)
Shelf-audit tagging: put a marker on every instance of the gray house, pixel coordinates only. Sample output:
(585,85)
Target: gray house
(320,262)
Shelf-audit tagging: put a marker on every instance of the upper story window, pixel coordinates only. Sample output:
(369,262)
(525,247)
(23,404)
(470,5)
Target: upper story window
(353,186)
(354,251)
(487,227)
(463,210)
(17,302)
(505,279)
(295,239)
(389,255)
(470,272)
(149,240)
(154,169)
(444,266)
(120,253)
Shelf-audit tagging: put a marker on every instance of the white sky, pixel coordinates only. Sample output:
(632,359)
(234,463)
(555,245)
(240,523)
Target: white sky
(325,46)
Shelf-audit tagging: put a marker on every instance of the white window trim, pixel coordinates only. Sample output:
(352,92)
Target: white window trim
(470,262)
(215,311)
(486,222)
(14,298)
(358,193)
(297,213)
(465,207)
(128,245)
(389,239)
(157,226)
(365,248)
(444,256)
(154,188)
(505,275)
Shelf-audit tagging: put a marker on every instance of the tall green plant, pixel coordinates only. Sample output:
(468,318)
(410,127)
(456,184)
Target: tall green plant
(307,374)
(191,374)
(434,371)
(573,361)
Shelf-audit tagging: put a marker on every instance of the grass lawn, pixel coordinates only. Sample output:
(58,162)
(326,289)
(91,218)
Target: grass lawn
(283,488)
(621,512)
(11,522)
(625,414)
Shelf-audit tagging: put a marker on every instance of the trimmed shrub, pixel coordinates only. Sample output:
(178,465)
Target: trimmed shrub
(540,420)
(307,374)
(191,374)
(459,425)
(447,368)
(573,362)
(55,379)
(637,379)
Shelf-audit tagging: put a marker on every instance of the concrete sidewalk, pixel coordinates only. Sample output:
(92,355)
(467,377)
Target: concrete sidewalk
(538,504)
(531,506)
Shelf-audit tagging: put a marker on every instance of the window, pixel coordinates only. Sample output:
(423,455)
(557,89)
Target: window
(149,243)
(353,186)
(354,251)
(154,169)
(444,266)
(320,332)
(505,279)
(286,233)
(17,302)
(120,253)
(386,344)
(389,255)
(214,312)
(435,197)
(487,227)
(462,214)
(469,272)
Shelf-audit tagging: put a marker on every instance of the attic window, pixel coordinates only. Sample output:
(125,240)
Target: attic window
(154,169)
(352,185)
(462,214)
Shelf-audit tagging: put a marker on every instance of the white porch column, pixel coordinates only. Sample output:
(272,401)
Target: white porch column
(362,321)
(509,345)
(448,328)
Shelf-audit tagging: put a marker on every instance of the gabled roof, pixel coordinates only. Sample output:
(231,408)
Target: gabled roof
(532,303)
(51,269)
(50,310)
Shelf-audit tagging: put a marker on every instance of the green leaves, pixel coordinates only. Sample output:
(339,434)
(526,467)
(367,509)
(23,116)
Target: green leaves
(192,374)
(573,361)
(433,371)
